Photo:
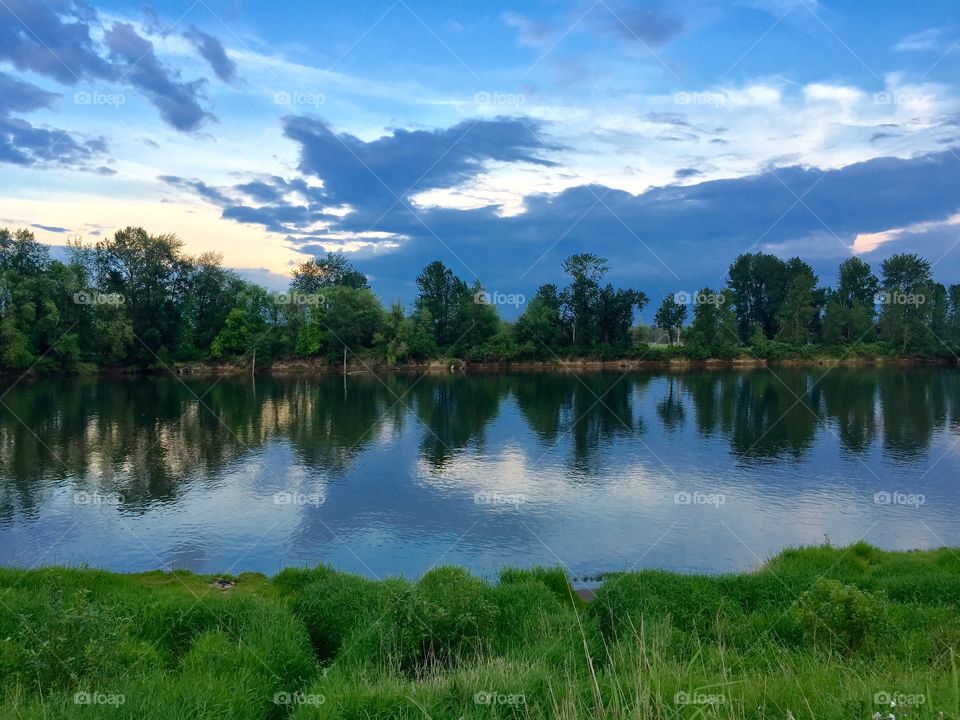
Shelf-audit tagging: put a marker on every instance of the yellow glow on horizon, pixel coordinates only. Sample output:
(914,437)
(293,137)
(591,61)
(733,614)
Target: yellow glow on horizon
(199,226)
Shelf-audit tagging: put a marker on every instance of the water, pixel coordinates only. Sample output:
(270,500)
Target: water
(702,470)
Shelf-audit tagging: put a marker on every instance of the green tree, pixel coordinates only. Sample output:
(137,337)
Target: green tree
(713,331)
(149,272)
(334,270)
(798,310)
(905,310)
(670,317)
(446,297)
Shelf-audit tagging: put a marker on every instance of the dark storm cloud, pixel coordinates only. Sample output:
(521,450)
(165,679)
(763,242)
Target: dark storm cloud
(649,238)
(377,173)
(213,52)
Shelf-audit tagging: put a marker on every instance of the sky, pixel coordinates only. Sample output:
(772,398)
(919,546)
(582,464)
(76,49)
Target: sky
(498,137)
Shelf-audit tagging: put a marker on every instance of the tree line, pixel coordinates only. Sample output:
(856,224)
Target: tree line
(138,300)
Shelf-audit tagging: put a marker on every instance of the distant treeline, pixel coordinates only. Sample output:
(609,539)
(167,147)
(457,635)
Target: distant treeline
(138,300)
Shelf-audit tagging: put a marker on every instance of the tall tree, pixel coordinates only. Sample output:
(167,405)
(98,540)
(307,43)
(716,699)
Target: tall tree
(670,317)
(445,296)
(334,270)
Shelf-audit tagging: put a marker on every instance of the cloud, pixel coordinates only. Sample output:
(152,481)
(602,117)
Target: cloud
(649,237)
(56,39)
(19,96)
(922,41)
(213,52)
(177,101)
(51,39)
(684,173)
(530,32)
(648,24)
(377,173)
(50,228)
(21,143)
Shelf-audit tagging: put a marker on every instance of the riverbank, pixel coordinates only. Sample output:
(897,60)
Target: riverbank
(321,366)
(818,632)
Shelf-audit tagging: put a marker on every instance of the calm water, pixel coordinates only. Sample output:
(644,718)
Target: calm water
(711,470)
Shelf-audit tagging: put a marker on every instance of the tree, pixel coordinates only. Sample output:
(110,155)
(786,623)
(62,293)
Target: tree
(581,297)
(670,317)
(334,270)
(445,296)
(713,332)
(758,286)
(798,310)
(350,319)
(540,327)
(907,286)
(149,272)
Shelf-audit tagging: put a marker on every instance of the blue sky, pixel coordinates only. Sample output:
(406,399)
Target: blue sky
(497,137)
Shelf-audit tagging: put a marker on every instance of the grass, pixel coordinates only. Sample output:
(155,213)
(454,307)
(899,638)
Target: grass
(819,632)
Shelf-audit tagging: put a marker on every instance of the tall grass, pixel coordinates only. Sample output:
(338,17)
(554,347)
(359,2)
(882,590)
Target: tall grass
(818,632)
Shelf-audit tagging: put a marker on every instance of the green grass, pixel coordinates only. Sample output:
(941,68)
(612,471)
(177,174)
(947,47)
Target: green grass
(818,632)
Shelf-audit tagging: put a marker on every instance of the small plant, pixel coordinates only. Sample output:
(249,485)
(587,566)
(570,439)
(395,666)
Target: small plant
(842,615)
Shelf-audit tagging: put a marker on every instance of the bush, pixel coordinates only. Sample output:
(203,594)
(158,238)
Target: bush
(841,615)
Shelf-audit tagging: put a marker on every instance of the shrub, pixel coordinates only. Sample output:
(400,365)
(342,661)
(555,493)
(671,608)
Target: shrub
(842,615)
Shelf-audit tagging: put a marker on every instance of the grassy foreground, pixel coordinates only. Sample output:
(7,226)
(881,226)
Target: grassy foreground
(818,632)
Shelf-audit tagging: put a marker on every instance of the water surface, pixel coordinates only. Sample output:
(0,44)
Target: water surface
(702,470)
